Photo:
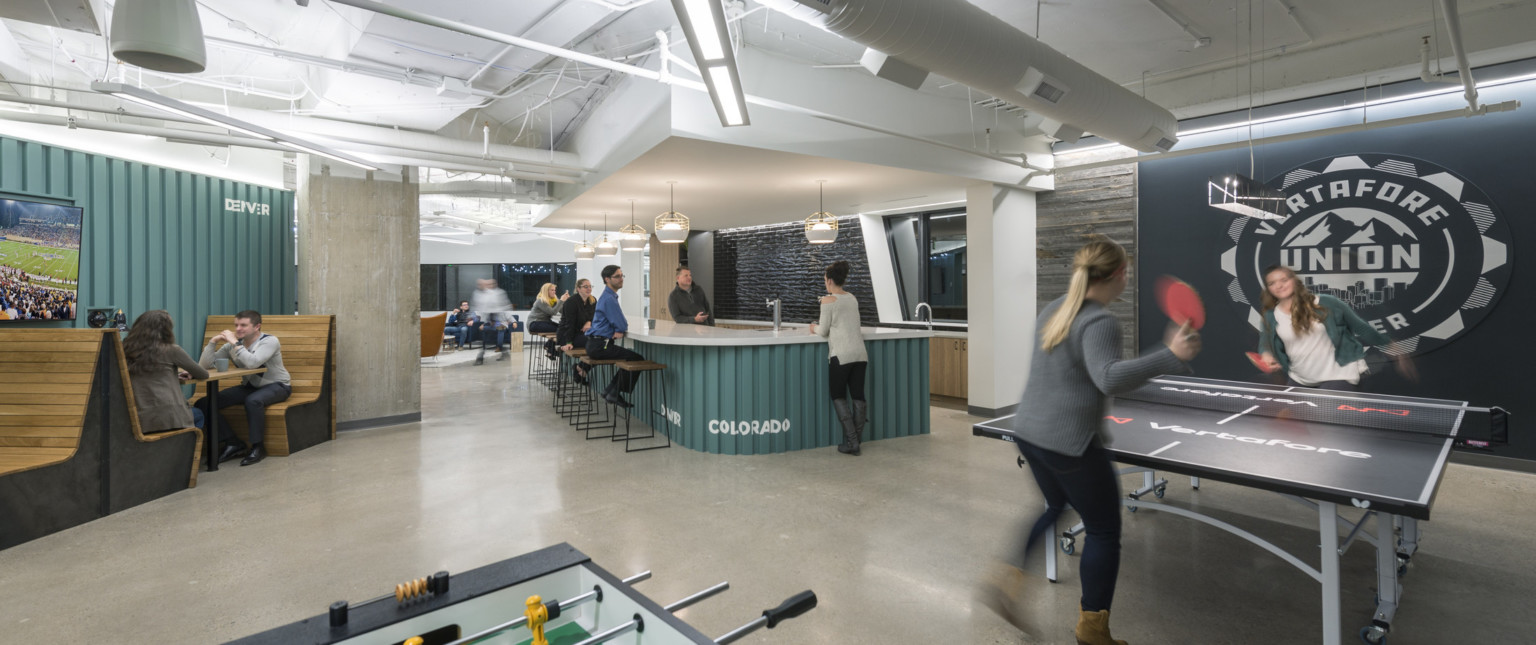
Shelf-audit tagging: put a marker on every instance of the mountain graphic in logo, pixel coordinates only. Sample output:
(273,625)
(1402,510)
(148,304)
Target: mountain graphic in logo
(1349,227)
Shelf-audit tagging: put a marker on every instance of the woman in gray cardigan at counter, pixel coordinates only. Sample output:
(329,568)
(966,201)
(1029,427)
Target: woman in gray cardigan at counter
(154,364)
(847,358)
(541,318)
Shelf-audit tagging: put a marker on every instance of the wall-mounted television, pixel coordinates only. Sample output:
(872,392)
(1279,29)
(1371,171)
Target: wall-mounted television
(39,260)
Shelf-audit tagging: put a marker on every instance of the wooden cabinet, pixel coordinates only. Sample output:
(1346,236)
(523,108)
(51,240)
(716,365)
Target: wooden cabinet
(947,367)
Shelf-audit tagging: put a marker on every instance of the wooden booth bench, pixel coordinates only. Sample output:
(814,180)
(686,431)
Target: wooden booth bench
(71,449)
(308,417)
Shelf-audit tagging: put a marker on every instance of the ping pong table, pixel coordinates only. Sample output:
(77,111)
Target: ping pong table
(1325,449)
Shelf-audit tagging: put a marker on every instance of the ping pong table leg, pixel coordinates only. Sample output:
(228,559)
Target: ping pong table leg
(1328,532)
(1408,539)
(1388,590)
(1050,556)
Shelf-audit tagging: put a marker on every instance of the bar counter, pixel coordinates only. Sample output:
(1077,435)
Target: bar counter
(751,391)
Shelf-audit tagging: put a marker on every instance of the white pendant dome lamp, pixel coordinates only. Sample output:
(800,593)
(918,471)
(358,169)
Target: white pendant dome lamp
(633,237)
(821,226)
(584,251)
(672,226)
(605,247)
(162,35)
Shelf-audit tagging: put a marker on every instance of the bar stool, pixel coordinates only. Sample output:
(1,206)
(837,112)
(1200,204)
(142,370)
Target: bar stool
(540,366)
(566,400)
(640,370)
(610,420)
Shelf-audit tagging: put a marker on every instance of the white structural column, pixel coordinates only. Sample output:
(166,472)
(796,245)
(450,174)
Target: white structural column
(1000,283)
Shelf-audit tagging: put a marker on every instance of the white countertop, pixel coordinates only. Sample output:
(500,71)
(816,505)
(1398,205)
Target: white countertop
(671,333)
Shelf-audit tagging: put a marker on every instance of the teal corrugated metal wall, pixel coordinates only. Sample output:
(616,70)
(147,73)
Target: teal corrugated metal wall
(778,383)
(156,238)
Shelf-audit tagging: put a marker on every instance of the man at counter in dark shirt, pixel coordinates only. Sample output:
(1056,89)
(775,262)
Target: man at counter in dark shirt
(687,302)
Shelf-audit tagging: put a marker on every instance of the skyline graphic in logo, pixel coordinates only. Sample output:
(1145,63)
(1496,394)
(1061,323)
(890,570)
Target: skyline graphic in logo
(1418,252)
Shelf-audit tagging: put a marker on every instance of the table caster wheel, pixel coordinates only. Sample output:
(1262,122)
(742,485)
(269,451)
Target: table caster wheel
(1068,545)
(1131,509)
(1159,491)
(1402,566)
(1374,635)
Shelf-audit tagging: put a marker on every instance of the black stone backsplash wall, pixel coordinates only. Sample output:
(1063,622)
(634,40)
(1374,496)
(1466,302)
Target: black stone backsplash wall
(753,265)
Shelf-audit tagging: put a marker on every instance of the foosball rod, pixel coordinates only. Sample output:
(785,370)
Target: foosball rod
(596,594)
(638,623)
(796,605)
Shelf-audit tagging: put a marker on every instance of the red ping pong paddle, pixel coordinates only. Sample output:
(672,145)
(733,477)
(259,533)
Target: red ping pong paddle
(1180,302)
(1258,361)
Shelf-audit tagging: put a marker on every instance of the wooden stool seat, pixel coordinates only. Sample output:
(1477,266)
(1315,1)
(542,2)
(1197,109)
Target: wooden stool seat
(548,335)
(641,366)
(588,360)
(575,352)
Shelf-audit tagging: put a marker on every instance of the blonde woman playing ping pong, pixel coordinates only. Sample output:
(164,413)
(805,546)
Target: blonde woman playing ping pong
(1315,338)
(1076,367)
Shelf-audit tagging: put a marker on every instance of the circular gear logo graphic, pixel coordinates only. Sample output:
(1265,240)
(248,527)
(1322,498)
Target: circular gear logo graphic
(1418,252)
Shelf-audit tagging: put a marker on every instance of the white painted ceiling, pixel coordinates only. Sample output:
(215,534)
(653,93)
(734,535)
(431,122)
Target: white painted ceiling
(1259,50)
(724,186)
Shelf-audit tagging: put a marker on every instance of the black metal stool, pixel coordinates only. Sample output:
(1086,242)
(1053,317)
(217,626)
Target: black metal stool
(609,420)
(640,369)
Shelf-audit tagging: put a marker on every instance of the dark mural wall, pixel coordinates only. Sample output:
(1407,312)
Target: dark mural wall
(753,265)
(1450,284)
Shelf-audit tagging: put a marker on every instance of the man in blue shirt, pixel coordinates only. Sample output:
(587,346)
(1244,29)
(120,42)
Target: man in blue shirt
(608,327)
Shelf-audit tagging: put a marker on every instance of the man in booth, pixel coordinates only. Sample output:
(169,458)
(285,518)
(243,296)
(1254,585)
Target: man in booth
(246,347)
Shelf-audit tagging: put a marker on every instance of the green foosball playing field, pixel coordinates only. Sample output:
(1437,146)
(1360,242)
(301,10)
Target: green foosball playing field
(567,634)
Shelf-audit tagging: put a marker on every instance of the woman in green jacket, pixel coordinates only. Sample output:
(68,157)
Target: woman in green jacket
(1317,339)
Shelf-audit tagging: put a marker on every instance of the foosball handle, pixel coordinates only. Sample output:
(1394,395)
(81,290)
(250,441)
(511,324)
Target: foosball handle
(797,604)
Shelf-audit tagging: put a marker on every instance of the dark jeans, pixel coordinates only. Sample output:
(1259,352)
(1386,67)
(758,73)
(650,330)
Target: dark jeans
(544,327)
(256,401)
(843,378)
(1342,386)
(1090,485)
(606,350)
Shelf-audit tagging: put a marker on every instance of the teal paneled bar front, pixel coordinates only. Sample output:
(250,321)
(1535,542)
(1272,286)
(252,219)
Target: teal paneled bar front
(156,238)
(745,392)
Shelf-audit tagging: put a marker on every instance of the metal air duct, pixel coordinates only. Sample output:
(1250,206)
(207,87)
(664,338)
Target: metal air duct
(958,40)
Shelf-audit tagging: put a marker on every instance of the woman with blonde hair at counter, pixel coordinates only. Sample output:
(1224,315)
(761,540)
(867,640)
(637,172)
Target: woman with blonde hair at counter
(847,358)
(541,319)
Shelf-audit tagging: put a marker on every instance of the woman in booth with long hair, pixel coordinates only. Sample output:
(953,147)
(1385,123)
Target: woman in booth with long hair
(1315,339)
(1076,367)
(155,367)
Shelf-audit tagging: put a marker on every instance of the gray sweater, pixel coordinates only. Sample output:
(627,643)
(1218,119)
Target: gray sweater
(542,311)
(266,352)
(840,326)
(1068,390)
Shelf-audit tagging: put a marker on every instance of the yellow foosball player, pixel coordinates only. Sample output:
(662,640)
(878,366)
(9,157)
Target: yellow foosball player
(537,615)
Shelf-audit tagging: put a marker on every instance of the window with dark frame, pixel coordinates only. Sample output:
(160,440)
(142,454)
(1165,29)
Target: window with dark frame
(928,251)
(456,282)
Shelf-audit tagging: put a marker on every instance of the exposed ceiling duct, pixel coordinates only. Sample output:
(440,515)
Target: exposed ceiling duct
(957,40)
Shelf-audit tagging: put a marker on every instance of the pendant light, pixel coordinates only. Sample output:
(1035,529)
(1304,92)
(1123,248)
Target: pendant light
(584,251)
(162,35)
(605,247)
(821,226)
(633,237)
(672,226)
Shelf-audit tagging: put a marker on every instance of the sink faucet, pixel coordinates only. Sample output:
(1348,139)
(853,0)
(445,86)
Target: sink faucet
(774,303)
(921,306)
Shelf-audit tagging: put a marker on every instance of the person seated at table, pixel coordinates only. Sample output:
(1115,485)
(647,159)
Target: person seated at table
(156,366)
(687,301)
(247,348)
(541,319)
(575,320)
(608,328)
(460,322)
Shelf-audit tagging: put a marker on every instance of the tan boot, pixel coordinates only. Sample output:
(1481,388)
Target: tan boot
(1003,594)
(1093,628)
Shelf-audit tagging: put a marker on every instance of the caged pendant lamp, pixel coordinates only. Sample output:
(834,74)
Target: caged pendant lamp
(672,226)
(584,251)
(821,226)
(633,237)
(605,247)
(162,35)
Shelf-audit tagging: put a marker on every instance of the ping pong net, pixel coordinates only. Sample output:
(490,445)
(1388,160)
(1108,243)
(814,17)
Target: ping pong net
(1386,412)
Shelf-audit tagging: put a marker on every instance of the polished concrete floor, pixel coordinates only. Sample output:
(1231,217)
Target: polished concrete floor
(893,542)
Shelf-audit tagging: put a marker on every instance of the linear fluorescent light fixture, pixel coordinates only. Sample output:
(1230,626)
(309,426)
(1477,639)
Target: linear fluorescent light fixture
(187,110)
(703,23)
(1247,197)
(430,238)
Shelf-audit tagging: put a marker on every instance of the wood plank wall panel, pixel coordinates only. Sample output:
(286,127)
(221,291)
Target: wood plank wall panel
(664,261)
(1101,201)
(156,238)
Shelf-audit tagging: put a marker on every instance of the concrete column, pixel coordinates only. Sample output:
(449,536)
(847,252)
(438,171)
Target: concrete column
(1000,281)
(359,258)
